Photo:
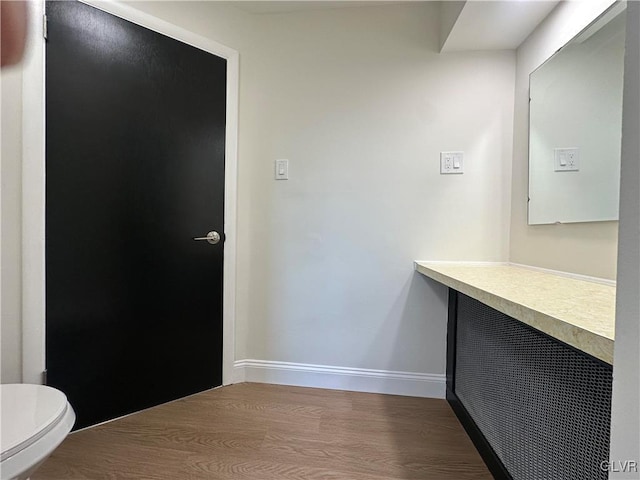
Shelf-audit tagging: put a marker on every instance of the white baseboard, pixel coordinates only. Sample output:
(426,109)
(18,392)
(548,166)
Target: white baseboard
(341,378)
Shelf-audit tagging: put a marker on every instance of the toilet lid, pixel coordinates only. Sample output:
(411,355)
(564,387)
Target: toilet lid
(27,412)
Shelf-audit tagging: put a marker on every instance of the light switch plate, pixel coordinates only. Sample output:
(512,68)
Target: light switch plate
(282,169)
(566,159)
(451,162)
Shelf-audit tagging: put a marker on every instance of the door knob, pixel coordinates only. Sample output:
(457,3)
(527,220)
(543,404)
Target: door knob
(212,237)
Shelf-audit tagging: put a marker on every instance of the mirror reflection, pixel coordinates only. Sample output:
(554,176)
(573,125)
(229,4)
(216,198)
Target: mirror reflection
(576,126)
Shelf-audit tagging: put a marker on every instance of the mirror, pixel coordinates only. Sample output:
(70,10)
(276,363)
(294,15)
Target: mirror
(575,126)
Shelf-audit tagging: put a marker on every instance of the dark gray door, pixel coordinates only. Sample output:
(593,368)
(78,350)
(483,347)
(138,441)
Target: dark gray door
(135,129)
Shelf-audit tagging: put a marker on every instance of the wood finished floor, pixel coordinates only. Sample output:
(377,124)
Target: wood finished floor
(264,432)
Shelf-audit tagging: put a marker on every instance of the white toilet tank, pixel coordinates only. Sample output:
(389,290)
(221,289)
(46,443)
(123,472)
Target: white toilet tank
(34,420)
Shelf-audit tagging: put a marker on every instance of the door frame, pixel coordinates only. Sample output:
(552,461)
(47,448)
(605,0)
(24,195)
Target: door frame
(33,182)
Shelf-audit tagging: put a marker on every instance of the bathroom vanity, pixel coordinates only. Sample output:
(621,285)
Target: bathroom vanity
(529,367)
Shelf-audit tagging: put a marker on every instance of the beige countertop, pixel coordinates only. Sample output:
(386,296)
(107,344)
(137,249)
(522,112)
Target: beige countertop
(578,312)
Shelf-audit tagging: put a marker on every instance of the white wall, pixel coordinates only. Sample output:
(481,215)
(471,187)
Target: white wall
(625,421)
(576,101)
(584,248)
(10,225)
(361,104)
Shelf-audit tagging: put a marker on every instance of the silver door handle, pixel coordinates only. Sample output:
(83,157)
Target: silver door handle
(212,237)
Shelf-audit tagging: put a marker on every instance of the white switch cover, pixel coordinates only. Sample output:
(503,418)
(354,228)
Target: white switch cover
(451,162)
(566,159)
(282,169)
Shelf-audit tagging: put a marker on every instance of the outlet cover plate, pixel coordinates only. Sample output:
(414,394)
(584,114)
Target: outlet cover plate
(451,162)
(566,159)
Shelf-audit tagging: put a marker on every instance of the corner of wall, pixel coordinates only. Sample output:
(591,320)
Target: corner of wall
(10,228)
(449,13)
(625,415)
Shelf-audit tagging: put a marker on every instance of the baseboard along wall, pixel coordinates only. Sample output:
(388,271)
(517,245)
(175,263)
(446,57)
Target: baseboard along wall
(340,378)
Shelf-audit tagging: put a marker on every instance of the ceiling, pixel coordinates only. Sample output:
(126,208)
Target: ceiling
(476,24)
(496,25)
(267,6)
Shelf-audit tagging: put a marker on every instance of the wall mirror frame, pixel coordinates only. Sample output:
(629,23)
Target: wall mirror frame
(575,126)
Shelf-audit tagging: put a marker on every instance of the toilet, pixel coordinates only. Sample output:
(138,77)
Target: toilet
(34,420)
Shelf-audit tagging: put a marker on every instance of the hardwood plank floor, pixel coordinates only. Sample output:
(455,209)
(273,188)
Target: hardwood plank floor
(267,432)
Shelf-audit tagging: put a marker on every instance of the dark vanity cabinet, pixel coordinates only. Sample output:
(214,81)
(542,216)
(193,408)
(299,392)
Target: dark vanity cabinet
(535,407)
